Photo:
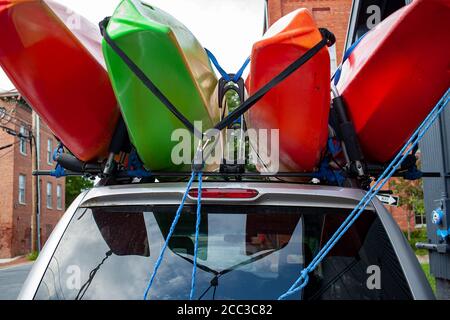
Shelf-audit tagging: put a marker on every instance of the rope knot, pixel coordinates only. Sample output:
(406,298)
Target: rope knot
(304,275)
(215,281)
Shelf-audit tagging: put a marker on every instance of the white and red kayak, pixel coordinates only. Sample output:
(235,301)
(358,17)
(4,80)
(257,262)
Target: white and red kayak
(395,75)
(53,57)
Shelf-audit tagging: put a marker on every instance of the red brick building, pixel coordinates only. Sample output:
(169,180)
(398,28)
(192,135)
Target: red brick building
(17,197)
(333,15)
(401,217)
(330,14)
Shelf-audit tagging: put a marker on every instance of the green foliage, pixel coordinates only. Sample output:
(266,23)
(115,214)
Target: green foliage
(411,198)
(430,278)
(232,100)
(410,193)
(74,186)
(32,256)
(418,235)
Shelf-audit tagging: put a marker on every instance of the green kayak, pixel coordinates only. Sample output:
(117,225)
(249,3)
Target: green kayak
(167,52)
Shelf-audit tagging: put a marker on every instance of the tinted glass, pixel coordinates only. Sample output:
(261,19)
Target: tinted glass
(244,253)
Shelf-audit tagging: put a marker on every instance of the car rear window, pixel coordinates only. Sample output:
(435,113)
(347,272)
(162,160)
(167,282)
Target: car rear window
(245,252)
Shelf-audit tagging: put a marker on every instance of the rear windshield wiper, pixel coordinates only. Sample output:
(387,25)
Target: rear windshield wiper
(92,274)
(217,274)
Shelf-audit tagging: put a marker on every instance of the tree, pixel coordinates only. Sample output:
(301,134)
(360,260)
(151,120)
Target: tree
(411,198)
(74,186)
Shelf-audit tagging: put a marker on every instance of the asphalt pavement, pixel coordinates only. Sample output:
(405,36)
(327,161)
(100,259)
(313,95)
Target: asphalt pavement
(11,280)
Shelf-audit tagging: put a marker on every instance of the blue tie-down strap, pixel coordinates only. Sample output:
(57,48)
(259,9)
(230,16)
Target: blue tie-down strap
(325,171)
(413,173)
(396,163)
(59,171)
(328,174)
(238,121)
(443,234)
(222,72)
(135,167)
(172,229)
(334,146)
(58,150)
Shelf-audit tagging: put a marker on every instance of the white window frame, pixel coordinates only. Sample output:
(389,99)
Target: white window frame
(23,141)
(49,195)
(58,197)
(22,189)
(49,151)
(423,220)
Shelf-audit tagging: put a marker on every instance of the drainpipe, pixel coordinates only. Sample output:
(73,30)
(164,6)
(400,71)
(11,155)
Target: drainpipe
(38,186)
(36,235)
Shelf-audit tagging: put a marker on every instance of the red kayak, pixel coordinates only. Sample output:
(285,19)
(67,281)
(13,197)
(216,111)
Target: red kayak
(396,74)
(298,106)
(54,59)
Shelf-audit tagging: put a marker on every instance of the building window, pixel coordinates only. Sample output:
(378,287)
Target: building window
(59,197)
(49,195)
(23,141)
(22,181)
(49,151)
(420,220)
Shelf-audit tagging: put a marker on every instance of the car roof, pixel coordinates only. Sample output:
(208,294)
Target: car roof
(269,193)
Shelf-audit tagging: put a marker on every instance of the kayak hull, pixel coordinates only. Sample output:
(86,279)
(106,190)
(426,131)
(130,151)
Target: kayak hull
(173,59)
(299,106)
(59,71)
(395,75)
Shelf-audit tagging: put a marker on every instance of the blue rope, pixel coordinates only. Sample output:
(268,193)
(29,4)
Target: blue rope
(222,72)
(197,232)
(302,281)
(238,74)
(171,231)
(213,59)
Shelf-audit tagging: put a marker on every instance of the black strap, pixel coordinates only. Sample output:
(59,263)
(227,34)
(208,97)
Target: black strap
(328,39)
(145,80)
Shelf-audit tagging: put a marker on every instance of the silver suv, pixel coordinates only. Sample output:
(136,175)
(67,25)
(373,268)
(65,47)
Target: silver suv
(255,238)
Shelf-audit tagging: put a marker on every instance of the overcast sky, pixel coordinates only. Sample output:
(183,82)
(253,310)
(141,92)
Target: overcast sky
(227,27)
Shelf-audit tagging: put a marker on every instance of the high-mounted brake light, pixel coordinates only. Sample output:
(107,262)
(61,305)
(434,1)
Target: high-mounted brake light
(224,193)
